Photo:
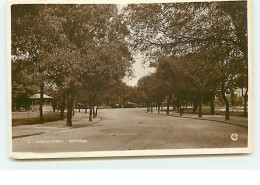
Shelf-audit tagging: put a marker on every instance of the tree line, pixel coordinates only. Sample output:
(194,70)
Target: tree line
(77,52)
(81,53)
(199,50)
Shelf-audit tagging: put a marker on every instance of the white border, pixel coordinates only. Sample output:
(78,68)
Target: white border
(106,1)
(159,152)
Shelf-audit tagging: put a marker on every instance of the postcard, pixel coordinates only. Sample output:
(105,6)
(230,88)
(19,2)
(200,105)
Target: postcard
(139,78)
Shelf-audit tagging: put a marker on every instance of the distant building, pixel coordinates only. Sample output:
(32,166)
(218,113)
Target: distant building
(35,105)
(130,105)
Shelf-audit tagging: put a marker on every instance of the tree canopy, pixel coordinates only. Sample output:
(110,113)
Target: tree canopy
(82,53)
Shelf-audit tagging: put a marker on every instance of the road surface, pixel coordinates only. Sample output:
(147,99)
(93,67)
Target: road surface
(133,129)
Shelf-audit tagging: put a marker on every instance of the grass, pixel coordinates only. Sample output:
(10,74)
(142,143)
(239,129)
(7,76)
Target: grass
(36,120)
(206,111)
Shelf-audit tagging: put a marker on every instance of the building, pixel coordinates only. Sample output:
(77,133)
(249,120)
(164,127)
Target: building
(35,105)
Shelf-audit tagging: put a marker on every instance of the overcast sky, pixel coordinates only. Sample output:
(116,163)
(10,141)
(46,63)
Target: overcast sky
(139,70)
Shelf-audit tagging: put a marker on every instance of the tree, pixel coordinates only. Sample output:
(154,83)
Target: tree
(64,71)
(183,28)
(154,89)
(22,86)
(92,28)
(229,67)
(166,73)
(32,36)
(242,82)
(177,28)
(145,85)
(203,75)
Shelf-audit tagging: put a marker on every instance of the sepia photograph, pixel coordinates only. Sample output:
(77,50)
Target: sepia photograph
(133,79)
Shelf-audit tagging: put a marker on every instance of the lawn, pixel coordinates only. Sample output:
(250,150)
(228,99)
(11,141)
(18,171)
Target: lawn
(206,111)
(48,117)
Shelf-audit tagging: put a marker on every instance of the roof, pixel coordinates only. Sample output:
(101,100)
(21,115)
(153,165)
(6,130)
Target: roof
(38,96)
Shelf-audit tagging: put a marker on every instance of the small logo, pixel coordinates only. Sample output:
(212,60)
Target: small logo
(234,136)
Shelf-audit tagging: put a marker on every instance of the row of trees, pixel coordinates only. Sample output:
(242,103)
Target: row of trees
(78,52)
(193,79)
(200,49)
(81,53)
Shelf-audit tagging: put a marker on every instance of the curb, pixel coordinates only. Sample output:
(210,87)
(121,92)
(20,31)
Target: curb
(73,127)
(91,123)
(27,135)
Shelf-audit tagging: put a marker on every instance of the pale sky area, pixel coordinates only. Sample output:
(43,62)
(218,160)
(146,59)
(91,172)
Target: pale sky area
(139,70)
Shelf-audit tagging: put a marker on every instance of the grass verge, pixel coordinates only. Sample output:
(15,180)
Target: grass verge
(36,120)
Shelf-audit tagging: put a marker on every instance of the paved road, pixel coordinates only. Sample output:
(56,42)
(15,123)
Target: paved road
(134,129)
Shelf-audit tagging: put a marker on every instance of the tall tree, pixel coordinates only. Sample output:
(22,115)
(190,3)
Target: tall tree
(166,74)
(97,32)
(33,34)
(64,70)
(182,28)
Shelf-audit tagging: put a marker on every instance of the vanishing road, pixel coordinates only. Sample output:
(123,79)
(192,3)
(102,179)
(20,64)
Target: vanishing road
(131,129)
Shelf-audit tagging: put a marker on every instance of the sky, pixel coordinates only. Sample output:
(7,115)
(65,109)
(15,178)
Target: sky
(139,70)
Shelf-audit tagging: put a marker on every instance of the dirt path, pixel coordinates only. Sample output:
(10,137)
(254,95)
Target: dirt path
(133,129)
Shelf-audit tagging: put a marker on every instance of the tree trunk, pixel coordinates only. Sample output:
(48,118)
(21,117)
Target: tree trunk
(245,51)
(69,112)
(96,110)
(86,110)
(151,107)
(70,104)
(54,106)
(41,102)
(73,107)
(158,107)
(181,111)
(178,105)
(79,109)
(62,106)
(212,106)
(226,102)
(245,103)
(173,106)
(168,104)
(195,107)
(200,106)
(90,112)
(94,116)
